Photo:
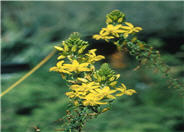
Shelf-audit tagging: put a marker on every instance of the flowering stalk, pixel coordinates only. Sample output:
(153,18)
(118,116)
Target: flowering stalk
(91,91)
(123,35)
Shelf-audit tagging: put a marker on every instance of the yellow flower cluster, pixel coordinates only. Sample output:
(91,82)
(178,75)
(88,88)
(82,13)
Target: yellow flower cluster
(75,66)
(88,87)
(115,31)
(92,93)
(116,27)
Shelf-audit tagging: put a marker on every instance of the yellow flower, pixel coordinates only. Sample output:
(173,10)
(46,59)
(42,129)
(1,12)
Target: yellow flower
(110,32)
(124,90)
(81,91)
(59,68)
(92,100)
(129,29)
(76,67)
(114,29)
(111,29)
(105,92)
(85,87)
(92,56)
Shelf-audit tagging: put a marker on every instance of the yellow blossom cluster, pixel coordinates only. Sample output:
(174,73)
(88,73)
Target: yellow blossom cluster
(75,66)
(92,93)
(115,31)
(116,27)
(88,86)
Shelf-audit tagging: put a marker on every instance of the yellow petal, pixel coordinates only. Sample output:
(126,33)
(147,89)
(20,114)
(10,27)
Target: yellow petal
(75,63)
(123,85)
(138,28)
(82,79)
(61,57)
(108,37)
(113,83)
(92,51)
(129,24)
(53,68)
(103,32)
(59,64)
(84,69)
(121,31)
(117,76)
(130,92)
(111,97)
(110,26)
(126,27)
(111,79)
(119,94)
(58,48)
(84,64)
(101,103)
(118,26)
(105,109)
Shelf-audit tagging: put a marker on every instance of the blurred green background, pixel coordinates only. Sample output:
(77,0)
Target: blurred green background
(29,30)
